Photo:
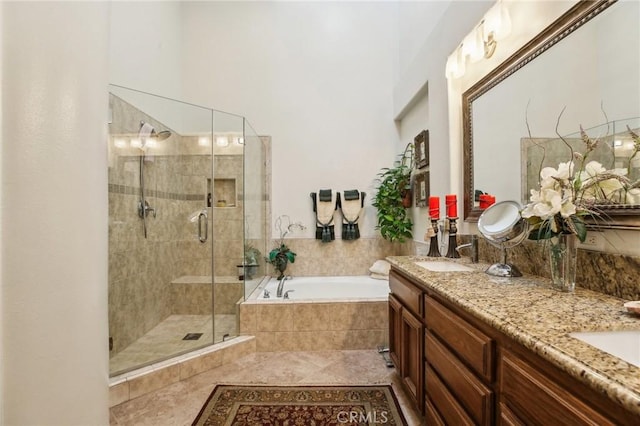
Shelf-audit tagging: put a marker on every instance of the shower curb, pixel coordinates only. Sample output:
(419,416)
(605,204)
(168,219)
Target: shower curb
(131,385)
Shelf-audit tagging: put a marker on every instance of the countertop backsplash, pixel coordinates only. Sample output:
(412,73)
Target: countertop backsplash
(609,273)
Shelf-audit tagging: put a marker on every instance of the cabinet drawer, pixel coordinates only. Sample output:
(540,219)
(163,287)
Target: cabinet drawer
(406,292)
(431,416)
(473,395)
(446,405)
(537,400)
(507,418)
(471,345)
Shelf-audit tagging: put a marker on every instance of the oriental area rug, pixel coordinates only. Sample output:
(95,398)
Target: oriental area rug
(300,405)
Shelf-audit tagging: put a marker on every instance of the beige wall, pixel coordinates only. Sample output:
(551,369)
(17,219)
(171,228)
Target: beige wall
(54,213)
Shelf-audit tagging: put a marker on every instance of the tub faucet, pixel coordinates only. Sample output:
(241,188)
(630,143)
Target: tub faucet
(474,248)
(281,285)
(286,294)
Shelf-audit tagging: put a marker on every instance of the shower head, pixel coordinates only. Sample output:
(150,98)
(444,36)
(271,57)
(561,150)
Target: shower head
(148,131)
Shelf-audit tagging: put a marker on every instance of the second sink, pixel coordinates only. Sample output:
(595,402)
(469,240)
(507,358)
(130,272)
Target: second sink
(622,344)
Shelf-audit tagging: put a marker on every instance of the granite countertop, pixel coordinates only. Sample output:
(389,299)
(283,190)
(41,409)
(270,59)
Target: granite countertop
(540,318)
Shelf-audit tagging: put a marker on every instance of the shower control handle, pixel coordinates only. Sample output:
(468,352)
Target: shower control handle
(201,237)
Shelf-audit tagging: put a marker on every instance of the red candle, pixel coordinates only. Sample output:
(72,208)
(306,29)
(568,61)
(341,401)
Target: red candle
(452,205)
(484,201)
(434,207)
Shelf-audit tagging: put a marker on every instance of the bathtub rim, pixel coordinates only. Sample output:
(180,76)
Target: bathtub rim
(254,299)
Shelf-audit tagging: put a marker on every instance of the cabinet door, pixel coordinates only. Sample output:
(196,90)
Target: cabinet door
(412,357)
(395,331)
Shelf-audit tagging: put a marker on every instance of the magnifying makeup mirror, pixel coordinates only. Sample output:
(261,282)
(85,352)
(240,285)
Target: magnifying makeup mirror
(502,225)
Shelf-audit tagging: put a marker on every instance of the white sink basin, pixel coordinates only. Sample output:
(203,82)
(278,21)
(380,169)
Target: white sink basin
(622,344)
(443,266)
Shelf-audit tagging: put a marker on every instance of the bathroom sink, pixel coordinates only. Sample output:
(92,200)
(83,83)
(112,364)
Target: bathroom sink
(443,266)
(622,344)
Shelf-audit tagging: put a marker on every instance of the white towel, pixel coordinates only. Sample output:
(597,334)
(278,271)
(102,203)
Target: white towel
(380,267)
(379,277)
(351,210)
(326,209)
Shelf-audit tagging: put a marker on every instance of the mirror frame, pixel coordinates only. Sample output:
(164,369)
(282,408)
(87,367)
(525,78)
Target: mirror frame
(578,15)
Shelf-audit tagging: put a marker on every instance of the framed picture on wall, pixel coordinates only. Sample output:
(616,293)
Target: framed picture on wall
(421,146)
(421,188)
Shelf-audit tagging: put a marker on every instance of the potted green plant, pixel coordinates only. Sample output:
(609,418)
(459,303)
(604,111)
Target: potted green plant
(281,255)
(394,188)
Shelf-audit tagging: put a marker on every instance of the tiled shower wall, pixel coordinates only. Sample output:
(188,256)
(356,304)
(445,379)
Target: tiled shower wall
(176,179)
(228,229)
(141,270)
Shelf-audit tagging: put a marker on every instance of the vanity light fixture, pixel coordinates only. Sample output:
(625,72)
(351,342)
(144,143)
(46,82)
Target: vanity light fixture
(222,141)
(472,46)
(482,41)
(238,140)
(455,64)
(204,141)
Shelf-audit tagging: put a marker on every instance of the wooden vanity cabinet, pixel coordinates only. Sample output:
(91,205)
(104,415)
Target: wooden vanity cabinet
(461,371)
(405,335)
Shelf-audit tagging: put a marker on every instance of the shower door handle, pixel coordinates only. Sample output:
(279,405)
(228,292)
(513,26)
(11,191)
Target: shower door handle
(201,237)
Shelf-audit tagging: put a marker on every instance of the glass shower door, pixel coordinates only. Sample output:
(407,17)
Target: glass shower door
(161,192)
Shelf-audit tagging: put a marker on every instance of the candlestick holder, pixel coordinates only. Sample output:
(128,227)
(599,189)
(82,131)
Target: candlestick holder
(453,230)
(433,245)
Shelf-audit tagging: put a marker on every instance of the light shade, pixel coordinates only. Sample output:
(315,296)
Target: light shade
(455,64)
(222,141)
(472,46)
(497,22)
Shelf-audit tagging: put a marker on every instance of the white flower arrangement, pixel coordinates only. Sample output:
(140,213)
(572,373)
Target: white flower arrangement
(568,194)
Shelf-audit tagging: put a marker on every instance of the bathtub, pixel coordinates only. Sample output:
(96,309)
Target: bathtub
(322,313)
(327,288)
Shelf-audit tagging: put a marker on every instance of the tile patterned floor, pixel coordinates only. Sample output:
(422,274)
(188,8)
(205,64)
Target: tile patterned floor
(165,340)
(179,403)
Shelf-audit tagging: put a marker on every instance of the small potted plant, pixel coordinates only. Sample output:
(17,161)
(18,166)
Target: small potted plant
(394,189)
(281,255)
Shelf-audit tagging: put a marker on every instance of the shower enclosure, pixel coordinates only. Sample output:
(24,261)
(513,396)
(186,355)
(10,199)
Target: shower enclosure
(187,225)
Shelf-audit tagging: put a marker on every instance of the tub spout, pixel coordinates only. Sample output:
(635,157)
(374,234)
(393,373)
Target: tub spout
(281,285)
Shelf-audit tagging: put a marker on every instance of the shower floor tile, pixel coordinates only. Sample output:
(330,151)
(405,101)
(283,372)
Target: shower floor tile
(166,340)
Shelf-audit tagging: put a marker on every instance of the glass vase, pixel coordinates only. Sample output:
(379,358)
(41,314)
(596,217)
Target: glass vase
(563,253)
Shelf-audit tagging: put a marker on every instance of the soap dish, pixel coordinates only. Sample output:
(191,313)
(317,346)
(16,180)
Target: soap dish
(633,306)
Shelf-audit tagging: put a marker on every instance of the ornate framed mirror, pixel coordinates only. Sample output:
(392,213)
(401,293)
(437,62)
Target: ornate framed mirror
(582,70)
